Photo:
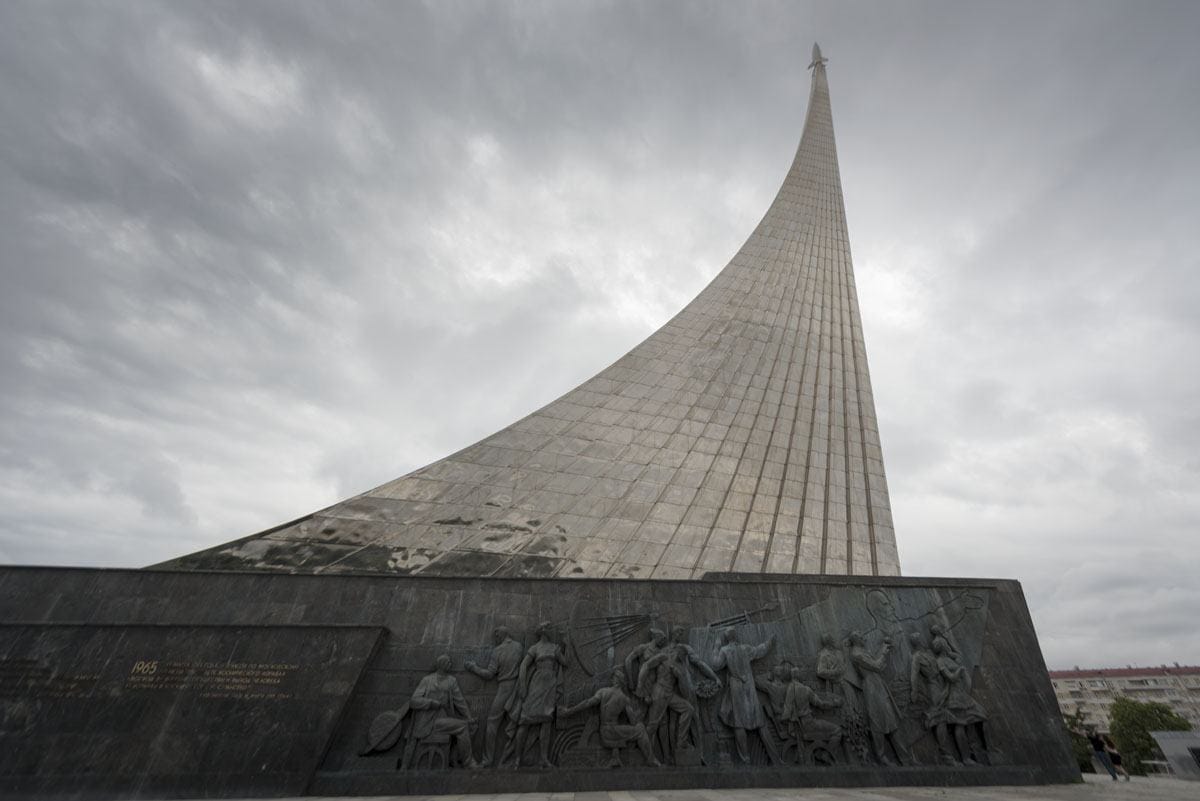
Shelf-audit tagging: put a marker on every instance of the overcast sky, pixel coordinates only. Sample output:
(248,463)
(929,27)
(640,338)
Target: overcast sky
(257,257)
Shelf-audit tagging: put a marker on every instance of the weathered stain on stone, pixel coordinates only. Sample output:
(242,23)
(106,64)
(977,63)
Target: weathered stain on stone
(467,563)
(515,528)
(526,566)
(545,545)
(407,560)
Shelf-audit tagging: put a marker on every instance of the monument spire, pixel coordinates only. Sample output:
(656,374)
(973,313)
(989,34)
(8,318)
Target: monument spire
(740,436)
(817,59)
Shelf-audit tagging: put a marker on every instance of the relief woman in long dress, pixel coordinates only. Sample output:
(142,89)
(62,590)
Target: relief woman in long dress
(540,685)
(954,707)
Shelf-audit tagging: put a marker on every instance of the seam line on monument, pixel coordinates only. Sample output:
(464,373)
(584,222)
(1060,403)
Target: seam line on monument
(810,287)
(757,236)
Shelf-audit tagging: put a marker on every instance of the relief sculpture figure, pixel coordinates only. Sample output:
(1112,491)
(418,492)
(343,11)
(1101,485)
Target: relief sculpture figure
(504,666)
(740,707)
(775,686)
(865,674)
(439,712)
(939,634)
(831,664)
(955,708)
(667,675)
(922,673)
(686,659)
(613,703)
(927,688)
(803,723)
(883,610)
(656,642)
(539,683)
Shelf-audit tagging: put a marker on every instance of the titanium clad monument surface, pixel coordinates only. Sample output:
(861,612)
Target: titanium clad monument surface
(740,436)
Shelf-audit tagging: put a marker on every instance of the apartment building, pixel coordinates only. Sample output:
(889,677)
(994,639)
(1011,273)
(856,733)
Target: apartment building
(1092,691)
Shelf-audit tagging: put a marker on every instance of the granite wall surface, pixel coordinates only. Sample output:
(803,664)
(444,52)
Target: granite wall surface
(119,683)
(153,709)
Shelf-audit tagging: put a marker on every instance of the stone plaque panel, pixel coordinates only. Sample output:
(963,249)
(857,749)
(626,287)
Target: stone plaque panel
(168,710)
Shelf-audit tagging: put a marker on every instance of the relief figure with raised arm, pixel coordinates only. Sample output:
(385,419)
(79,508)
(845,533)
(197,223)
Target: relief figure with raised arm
(620,720)
(740,708)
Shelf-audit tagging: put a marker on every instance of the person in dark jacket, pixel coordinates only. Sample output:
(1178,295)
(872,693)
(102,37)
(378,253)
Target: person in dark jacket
(1114,756)
(1100,752)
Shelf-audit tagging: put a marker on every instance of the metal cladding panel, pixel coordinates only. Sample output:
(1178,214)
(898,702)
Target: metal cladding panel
(740,436)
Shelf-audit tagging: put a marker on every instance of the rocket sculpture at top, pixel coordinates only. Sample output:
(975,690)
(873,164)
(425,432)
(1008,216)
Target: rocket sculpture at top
(741,436)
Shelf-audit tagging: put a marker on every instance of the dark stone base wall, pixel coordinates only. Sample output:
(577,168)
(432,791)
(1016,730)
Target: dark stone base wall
(119,683)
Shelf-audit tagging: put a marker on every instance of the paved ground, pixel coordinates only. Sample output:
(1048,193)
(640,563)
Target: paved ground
(1093,789)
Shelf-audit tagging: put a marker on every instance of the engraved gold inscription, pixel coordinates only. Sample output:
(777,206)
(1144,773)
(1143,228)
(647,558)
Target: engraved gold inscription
(27,678)
(258,680)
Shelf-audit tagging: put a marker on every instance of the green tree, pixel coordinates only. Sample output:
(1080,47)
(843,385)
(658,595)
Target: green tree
(1131,723)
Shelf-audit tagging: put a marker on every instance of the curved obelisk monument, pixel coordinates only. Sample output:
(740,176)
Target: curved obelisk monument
(498,621)
(741,436)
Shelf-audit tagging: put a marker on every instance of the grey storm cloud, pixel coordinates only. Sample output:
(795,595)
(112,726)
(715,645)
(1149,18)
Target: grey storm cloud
(256,257)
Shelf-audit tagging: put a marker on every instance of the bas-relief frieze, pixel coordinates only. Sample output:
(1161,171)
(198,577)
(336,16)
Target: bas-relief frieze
(875,677)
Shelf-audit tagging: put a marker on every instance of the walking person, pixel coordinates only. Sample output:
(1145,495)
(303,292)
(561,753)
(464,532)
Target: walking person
(1114,756)
(1100,752)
